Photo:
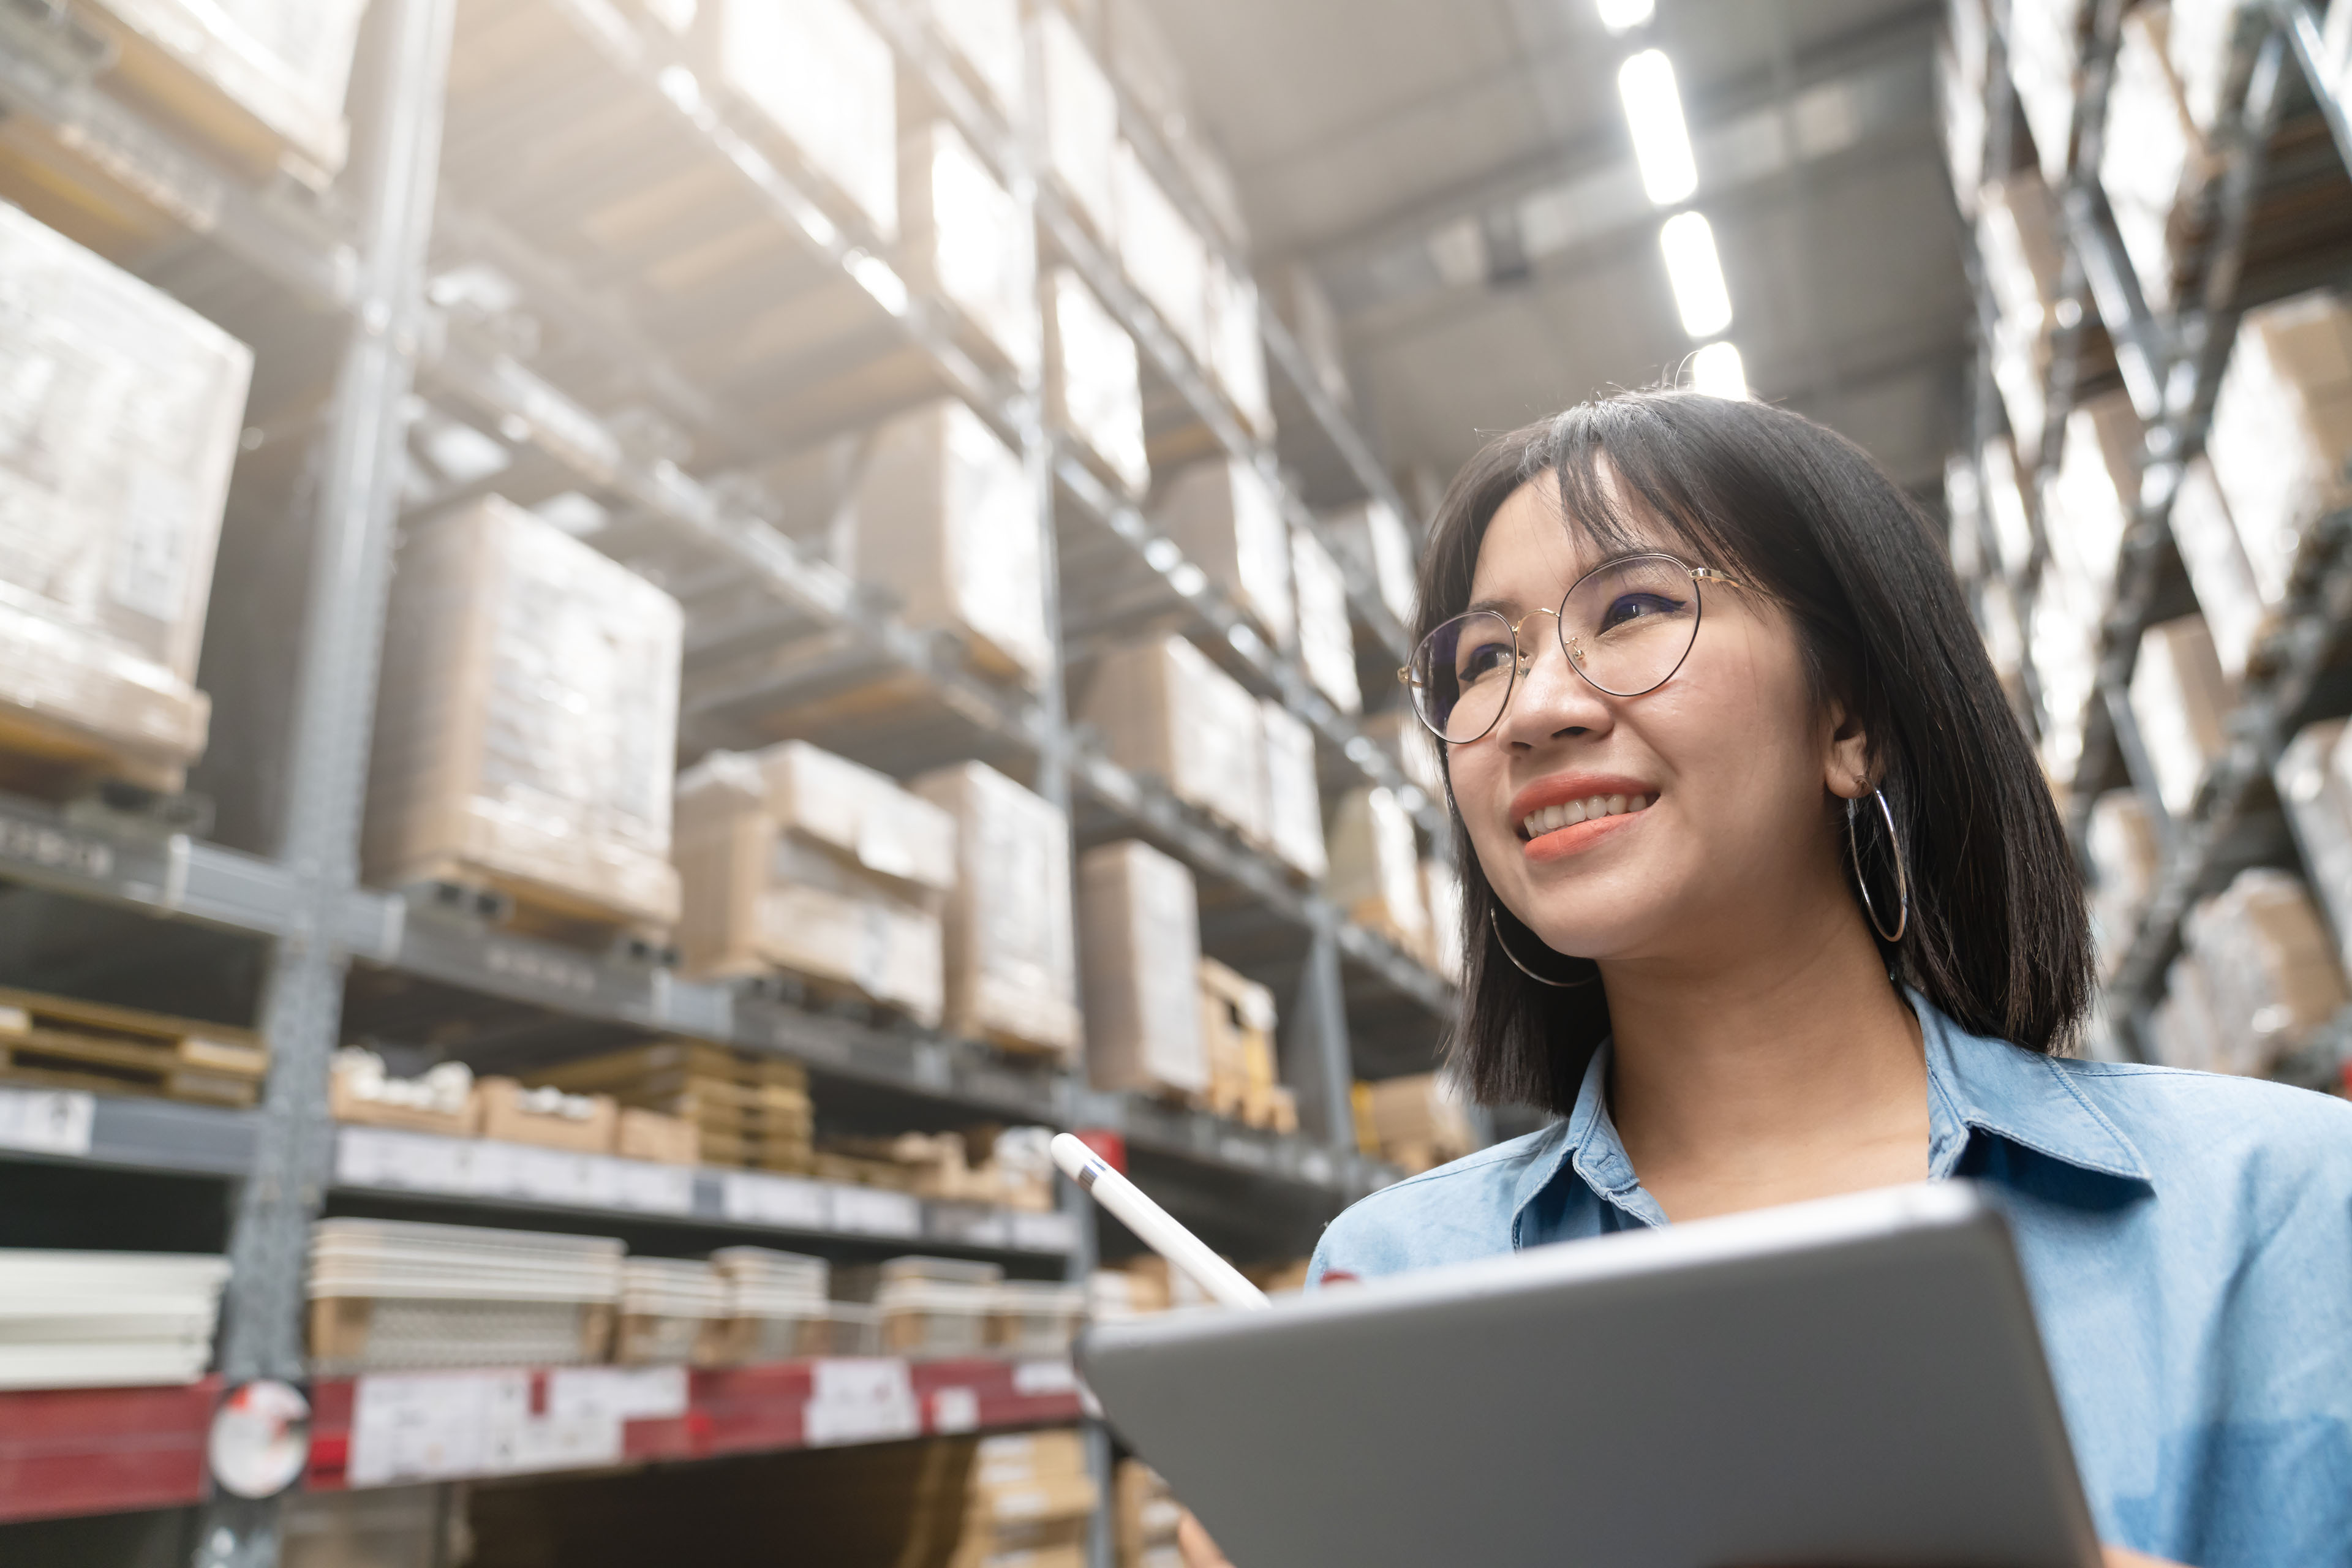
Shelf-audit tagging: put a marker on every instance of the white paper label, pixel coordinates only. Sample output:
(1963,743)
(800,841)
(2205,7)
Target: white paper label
(46,1121)
(874,1212)
(955,1410)
(864,1401)
(424,1162)
(430,1426)
(618,1394)
(1053,1232)
(774,1200)
(1031,1378)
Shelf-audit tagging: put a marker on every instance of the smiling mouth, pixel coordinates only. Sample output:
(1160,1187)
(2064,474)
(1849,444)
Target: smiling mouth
(1568,813)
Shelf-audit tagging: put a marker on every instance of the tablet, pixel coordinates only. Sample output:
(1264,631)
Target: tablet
(1856,1380)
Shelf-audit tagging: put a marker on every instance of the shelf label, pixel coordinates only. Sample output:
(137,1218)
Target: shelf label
(1032,1378)
(1246,1152)
(46,1121)
(873,1212)
(774,1200)
(955,1410)
(617,1393)
(970,1225)
(1053,1232)
(864,1401)
(440,1427)
(55,849)
(481,1168)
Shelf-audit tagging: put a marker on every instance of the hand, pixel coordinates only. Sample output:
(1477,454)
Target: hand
(1200,1552)
(2117,1557)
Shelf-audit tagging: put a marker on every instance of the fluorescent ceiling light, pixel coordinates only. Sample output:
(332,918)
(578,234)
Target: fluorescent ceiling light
(1653,110)
(1696,274)
(1715,370)
(1625,16)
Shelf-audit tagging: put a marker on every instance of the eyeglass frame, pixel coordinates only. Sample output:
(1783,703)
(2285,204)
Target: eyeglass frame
(1522,661)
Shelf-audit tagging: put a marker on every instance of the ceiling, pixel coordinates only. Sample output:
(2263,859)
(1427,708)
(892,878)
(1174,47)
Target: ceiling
(1457,174)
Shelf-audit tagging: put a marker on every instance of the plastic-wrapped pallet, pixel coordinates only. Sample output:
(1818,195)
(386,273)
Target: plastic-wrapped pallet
(1011,967)
(670,1311)
(2091,502)
(1035,1317)
(1326,633)
(1224,515)
(1293,797)
(119,410)
(1375,871)
(1238,345)
(821,74)
(776,1305)
(2315,782)
(2126,853)
(2271,971)
(396,1295)
(1142,922)
(1145,1516)
(2181,1027)
(930,1307)
(2045,50)
(986,36)
(1092,390)
(1162,254)
(2018,243)
(92,1319)
(1029,1504)
(1399,732)
(2218,568)
(2182,704)
(1081,114)
(263,80)
(1237,1020)
(2282,429)
(1164,711)
(947,519)
(1300,299)
(963,237)
(525,726)
(1417,1121)
(793,859)
(2154,163)
(1441,889)
(1373,541)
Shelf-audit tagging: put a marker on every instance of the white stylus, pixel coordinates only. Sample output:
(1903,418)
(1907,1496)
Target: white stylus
(1222,1281)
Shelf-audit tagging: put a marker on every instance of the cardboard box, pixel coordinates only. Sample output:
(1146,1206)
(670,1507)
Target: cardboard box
(1441,891)
(1164,711)
(549,1117)
(1142,924)
(2182,704)
(2218,568)
(1224,515)
(1081,115)
(1162,255)
(527,720)
(2023,257)
(2154,163)
(823,78)
(114,468)
(2270,970)
(947,519)
(441,1101)
(1326,632)
(1144,1514)
(2282,429)
(1300,299)
(1236,344)
(1012,968)
(2198,47)
(1293,796)
(2063,637)
(1399,732)
(964,238)
(1417,1121)
(1092,386)
(2091,501)
(1375,872)
(2125,853)
(986,37)
(2004,504)
(1237,1022)
(2314,783)
(2045,51)
(1375,544)
(650,1135)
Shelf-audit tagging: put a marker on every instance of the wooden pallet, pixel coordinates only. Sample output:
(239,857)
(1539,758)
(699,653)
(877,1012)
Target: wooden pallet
(48,761)
(532,909)
(58,1042)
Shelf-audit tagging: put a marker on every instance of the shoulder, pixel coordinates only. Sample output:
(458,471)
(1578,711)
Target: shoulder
(1455,1213)
(2257,1137)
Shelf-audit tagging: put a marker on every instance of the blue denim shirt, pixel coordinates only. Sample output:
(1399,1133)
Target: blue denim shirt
(2187,1239)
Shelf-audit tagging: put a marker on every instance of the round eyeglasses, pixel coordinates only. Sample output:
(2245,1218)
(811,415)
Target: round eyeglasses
(1626,626)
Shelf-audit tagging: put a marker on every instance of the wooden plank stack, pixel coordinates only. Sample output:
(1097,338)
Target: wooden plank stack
(749,1111)
(58,1042)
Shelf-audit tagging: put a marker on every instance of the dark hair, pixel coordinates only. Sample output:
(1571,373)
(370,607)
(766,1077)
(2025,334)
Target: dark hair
(1997,937)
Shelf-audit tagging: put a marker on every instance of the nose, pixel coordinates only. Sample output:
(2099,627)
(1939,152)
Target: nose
(1550,698)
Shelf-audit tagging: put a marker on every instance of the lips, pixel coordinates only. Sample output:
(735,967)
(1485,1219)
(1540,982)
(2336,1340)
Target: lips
(1563,801)
(1569,814)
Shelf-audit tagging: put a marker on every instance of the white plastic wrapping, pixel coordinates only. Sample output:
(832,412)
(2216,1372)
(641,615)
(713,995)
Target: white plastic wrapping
(1372,538)
(1238,345)
(527,719)
(1092,387)
(2089,506)
(2018,246)
(286,65)
(2153,163)
(964,238)
(1375,872)
(119,410)
(1326,633)
(1306,310)
(2062,638)
(1407,741)
(826,78)
(1081,110)
(2125,853)
(2004,503)
(2282,429)
(2271,979)
(2218,568)
(1141,919)
(1012,964)
(1442,891)
(2180,702)
(1224,516)
(1293,797)
(2045,46)
(987,34)
(1165,711)
(947,519)
(1162,255)
(2199,49)
(2314,783)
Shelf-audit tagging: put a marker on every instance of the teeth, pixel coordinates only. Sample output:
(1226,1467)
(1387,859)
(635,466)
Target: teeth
(1552,818)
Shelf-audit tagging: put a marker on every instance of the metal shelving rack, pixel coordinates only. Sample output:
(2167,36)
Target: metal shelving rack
(362,258)
(2171,366)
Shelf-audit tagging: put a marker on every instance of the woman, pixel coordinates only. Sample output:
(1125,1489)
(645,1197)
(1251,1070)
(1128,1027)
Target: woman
(1766,899)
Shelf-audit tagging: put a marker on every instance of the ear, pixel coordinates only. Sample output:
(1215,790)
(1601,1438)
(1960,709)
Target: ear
(1847,765)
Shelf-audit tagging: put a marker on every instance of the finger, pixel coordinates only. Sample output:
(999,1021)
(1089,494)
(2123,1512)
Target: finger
(1194,1543)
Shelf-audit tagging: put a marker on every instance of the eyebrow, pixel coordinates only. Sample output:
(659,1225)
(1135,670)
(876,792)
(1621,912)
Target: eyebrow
(1502,607)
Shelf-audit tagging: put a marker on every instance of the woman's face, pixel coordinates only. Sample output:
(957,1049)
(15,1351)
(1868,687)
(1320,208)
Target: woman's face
(1704,814)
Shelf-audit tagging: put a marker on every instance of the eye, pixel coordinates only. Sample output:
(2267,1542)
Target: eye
(1479,661)
(1626,607)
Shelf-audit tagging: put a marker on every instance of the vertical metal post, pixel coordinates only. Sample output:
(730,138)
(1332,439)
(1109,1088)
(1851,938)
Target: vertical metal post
(1318,1064)
(354,486)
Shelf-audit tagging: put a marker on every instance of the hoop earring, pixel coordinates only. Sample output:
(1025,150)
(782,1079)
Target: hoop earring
(1539,979)
(1862,883)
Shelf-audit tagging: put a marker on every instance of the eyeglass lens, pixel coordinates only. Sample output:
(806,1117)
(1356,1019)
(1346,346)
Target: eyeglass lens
(1626,628)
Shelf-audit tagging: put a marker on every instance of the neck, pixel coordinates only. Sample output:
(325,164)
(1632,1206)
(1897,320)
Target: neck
(1793,1070)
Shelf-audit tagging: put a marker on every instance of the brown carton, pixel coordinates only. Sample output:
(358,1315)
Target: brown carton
(1140,917)
(582,1123)
(1011,967)
(1165,711)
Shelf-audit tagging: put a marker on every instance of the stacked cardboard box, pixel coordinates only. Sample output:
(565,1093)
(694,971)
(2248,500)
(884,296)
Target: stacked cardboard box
(1141,917)
(1441,891)
(1375,872)
(1145,1518)
(2218,570)
(824,80)
(2197,43)
(947,520)
(745,1110)
(2282,429)
(2315,782)
(1375,544)
(2180,702)
(1293,797)
(1399,732)
(1165,711)
(1029,1501)
(777,1307)
(1081,130)
(2045,55)
(1015,1173)
(1092,385)
(394,1295)
(986,37)
(793,859)
(1161,253)
(1011,967)
(1237,1021)
(526,722)
(670,1311)
(2126,853)
(2019,247)
(1327,637)
(1417,1121)
(1237,346)
(2086,508)
(118,424)
(2154,163)
(1224,517)
(2258,979)
(1300,300)
(965,239)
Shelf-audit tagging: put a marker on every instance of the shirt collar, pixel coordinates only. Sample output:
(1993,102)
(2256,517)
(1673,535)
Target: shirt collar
(1975,1084)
